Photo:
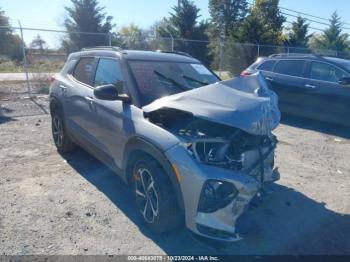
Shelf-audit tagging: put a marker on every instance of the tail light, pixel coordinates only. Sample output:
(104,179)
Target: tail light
(52,79)
(245,73)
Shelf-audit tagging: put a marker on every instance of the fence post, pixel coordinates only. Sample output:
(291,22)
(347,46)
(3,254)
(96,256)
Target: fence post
(172,43)
(109,39)
(221,54)
(25,60)
(258,50)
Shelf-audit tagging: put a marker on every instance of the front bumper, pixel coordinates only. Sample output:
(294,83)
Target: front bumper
(221,224)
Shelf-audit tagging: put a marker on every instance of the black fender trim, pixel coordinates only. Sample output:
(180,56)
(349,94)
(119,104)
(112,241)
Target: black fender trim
(139,144)
(55,101)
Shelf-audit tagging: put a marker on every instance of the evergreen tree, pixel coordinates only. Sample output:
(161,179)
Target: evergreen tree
(332,37)
(86,16)
(226,16)
(298,33)
(264,24)
(182,23)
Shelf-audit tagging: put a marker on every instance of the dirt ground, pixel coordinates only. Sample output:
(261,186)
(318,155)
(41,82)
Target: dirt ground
(72,204)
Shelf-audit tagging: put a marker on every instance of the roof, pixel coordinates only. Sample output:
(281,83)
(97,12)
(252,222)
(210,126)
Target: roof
(337,60)
(157,56)
(136,54)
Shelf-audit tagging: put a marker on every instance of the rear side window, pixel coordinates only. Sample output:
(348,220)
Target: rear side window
(108,72)
(290,67)
(325,72)
(83,70)
(267,65)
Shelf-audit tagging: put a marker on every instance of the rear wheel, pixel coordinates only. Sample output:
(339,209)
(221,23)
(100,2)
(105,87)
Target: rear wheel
(62,141)
(155,197)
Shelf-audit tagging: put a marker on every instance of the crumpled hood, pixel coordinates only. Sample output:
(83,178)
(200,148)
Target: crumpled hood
(243,102)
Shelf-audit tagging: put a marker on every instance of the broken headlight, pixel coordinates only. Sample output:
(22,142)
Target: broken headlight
(215,151)
(216,195)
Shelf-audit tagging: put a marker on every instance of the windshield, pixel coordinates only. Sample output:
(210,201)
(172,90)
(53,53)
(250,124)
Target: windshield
(157,79)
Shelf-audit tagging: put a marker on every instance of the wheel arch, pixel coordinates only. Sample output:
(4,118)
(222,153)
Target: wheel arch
(55,103)
(135,148)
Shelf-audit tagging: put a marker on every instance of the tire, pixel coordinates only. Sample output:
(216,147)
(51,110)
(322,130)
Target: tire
(158,207)
(62,141)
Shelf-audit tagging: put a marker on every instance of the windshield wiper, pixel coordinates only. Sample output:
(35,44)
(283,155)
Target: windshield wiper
(171,80)
(195,80)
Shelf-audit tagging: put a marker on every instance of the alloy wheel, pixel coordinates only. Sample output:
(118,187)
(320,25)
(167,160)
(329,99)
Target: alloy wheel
(57,131)
(146,195)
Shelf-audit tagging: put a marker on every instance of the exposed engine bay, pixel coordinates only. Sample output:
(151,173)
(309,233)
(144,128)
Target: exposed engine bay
(220,145)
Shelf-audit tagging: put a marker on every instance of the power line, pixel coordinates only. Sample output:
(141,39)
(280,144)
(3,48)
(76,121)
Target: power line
(314,28)
(308,19)
(317,17)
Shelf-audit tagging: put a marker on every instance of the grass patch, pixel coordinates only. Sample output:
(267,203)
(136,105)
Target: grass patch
(9,66)
(44,89)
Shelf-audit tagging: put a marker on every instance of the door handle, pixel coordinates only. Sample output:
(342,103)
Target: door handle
(63,88)
(310,86)
(90,99)
(269,78)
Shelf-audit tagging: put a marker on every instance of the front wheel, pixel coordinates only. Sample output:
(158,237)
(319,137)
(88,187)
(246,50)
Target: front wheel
(155,197)
(62,141)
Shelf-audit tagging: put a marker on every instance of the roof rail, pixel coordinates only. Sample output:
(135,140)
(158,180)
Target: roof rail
(175,52)
(113,48)
(294,54)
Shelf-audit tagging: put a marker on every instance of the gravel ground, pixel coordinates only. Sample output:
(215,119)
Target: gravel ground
(72,204)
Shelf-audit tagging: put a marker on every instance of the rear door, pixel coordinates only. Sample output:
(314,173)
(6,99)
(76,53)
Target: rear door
(76,104)
(287,81)
(330,100)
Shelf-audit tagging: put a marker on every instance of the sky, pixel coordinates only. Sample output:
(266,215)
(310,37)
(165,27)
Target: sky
(50,14)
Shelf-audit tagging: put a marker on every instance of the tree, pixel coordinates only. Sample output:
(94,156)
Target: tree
(332,37)
(264,24)
(132,37)
(226,16)
(298,33)
(10,44)
(86,16)
(183,24)
(5,33)
(38,43)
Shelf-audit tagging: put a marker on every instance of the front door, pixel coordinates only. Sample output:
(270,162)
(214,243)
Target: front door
(112,118)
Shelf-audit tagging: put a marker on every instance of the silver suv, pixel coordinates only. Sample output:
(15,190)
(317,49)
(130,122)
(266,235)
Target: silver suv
(193,149)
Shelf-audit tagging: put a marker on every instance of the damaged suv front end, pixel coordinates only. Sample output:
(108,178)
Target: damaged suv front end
(226,148)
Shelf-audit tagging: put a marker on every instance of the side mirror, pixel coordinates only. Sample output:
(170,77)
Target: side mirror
(344,81)
(110,93)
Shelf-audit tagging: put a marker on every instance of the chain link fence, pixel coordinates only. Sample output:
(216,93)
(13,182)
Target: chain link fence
(27,74)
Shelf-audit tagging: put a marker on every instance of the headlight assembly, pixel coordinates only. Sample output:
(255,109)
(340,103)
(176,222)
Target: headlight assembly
(216,195)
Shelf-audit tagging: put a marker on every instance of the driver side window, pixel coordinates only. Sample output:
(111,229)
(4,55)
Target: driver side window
(325,72)
(108,72)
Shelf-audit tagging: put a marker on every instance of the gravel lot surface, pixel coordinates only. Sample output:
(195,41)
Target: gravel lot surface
(72,204)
